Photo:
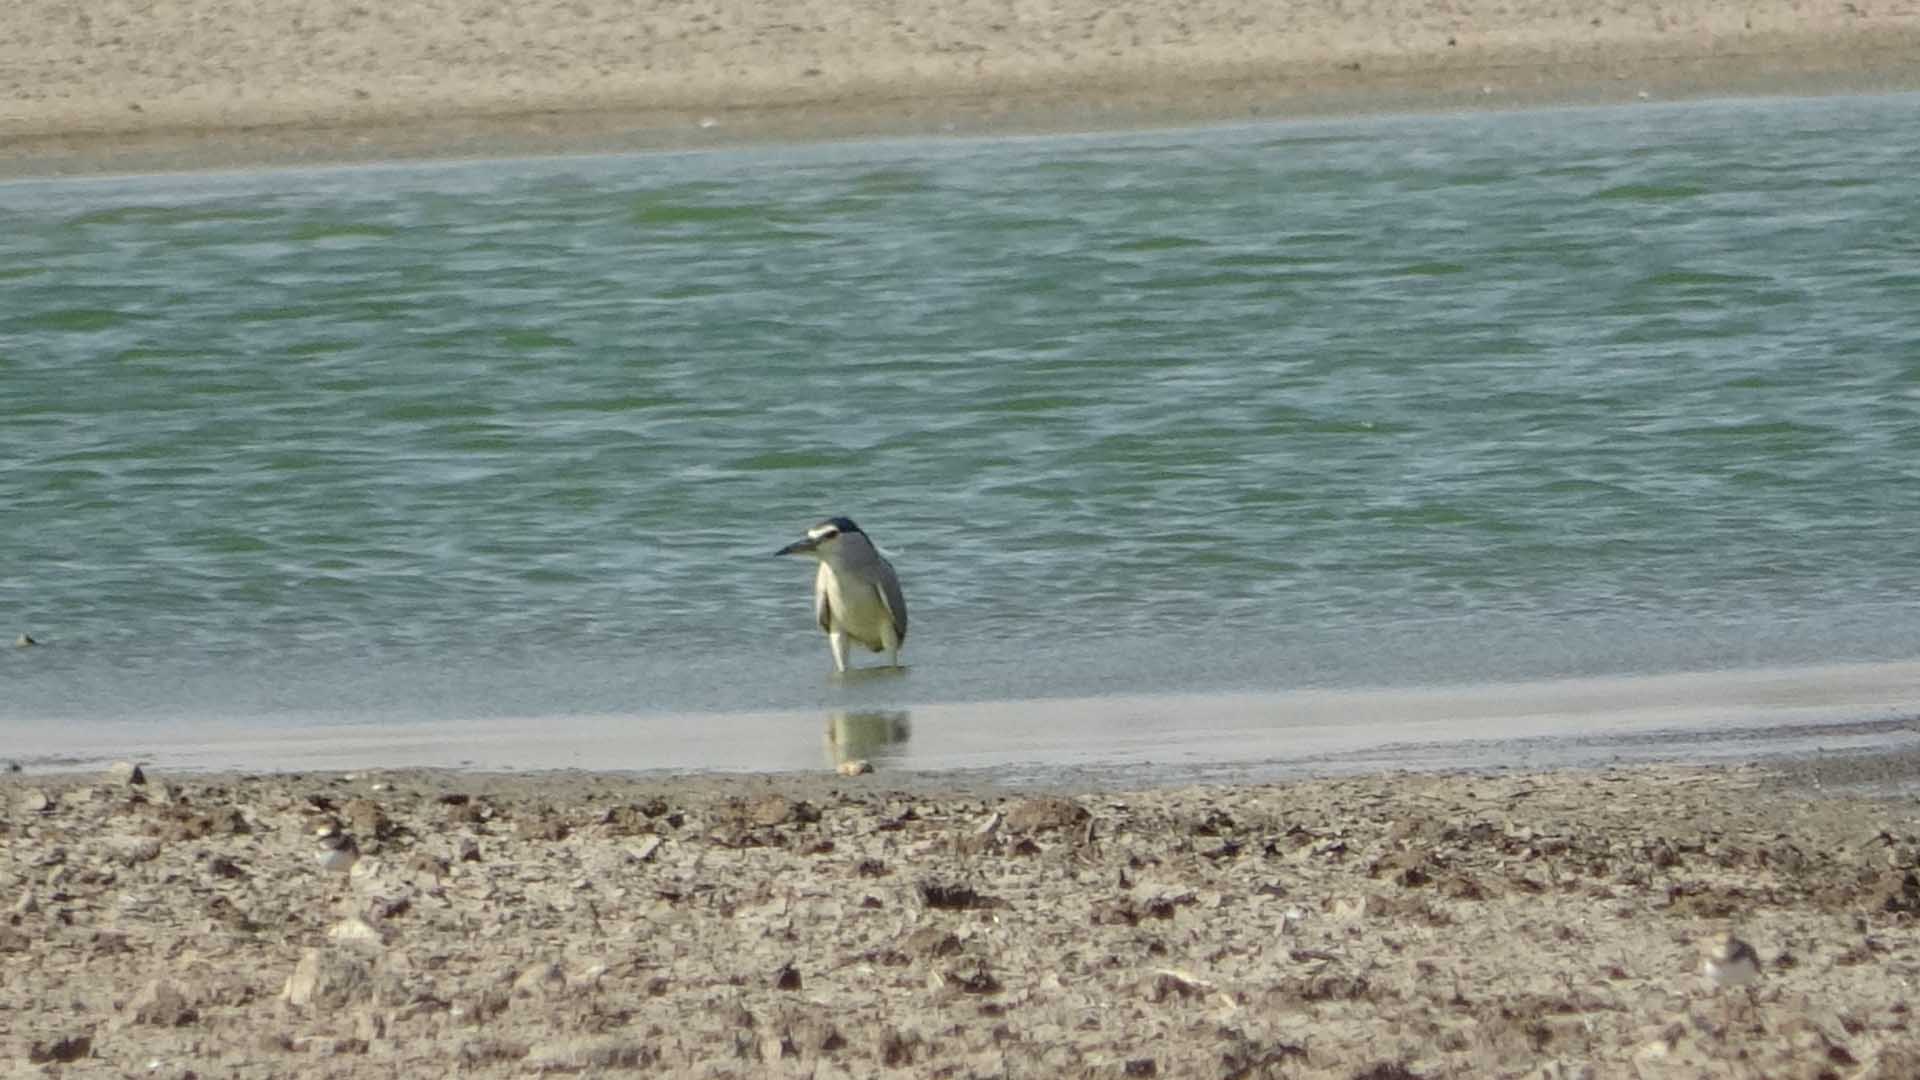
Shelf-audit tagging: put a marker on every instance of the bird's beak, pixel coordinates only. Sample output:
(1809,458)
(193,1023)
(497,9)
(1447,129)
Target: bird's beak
(798,547)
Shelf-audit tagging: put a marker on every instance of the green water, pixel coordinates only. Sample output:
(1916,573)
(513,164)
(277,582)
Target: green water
(1391,401)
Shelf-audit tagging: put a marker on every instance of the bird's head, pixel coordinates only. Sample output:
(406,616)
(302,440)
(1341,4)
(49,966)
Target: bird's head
(1725,947)
(823,539)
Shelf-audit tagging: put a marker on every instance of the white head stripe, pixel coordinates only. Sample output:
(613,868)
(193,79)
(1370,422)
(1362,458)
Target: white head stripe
(821,532)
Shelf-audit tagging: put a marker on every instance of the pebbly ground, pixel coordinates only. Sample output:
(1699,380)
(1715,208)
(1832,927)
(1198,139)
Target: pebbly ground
(1382,927)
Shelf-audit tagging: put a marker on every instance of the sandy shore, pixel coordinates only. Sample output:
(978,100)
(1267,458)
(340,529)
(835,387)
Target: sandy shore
(191,83)
(1544,925)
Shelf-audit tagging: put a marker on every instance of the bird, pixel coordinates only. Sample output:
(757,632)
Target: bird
(1730,962)
(337,851)
(856,594)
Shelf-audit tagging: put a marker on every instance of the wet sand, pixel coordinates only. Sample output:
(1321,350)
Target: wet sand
(218,83)
(1697,718)
(1393,925)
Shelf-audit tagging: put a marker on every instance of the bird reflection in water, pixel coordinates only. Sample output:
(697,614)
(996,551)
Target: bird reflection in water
(871,735)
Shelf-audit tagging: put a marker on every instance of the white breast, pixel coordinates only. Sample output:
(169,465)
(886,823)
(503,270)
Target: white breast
(856,608)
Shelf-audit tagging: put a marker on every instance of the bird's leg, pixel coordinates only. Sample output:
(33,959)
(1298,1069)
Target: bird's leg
(891,641)
(838,641)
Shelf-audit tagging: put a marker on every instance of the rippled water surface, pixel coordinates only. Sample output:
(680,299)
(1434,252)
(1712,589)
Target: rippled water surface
(1376,402)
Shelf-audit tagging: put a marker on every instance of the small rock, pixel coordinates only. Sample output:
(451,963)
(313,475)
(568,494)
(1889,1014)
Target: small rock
(368,873)
(540,980)
(787,978)
(1896,891)
(137,850)
(183,824)
(485,1051)
(273,1042)
(481,1007)
(954,897)
(126,772)
(27,904)
(977,981)
(357,932)
(383,908)
(855,767)
(1172,983)
(35,801)
(328,1046)
(768,810)
(1659,1050)
(1159,899)
(1043,813)
(71,1048)
(775,1045)
(424,865)
(898,1048)
(326,978)
(575,1055)
(931,941)
(365,818)
(160,1004)
(548,827)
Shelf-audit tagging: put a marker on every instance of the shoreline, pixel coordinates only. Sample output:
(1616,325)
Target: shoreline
(1164,739)
(1511,923)
(245,126)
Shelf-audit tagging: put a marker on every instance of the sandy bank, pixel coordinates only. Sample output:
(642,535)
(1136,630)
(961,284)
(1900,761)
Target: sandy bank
(220,82)
(1386,926)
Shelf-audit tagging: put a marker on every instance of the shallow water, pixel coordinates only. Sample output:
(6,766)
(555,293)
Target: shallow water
(1809,716)
(1403,401)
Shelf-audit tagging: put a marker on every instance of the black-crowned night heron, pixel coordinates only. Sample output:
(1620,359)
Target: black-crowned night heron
(856,594)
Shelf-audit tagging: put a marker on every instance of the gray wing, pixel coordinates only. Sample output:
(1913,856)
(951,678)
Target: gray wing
(895,600)
(822,607)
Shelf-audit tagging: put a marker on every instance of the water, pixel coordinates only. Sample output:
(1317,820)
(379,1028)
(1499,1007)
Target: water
(1390,402)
